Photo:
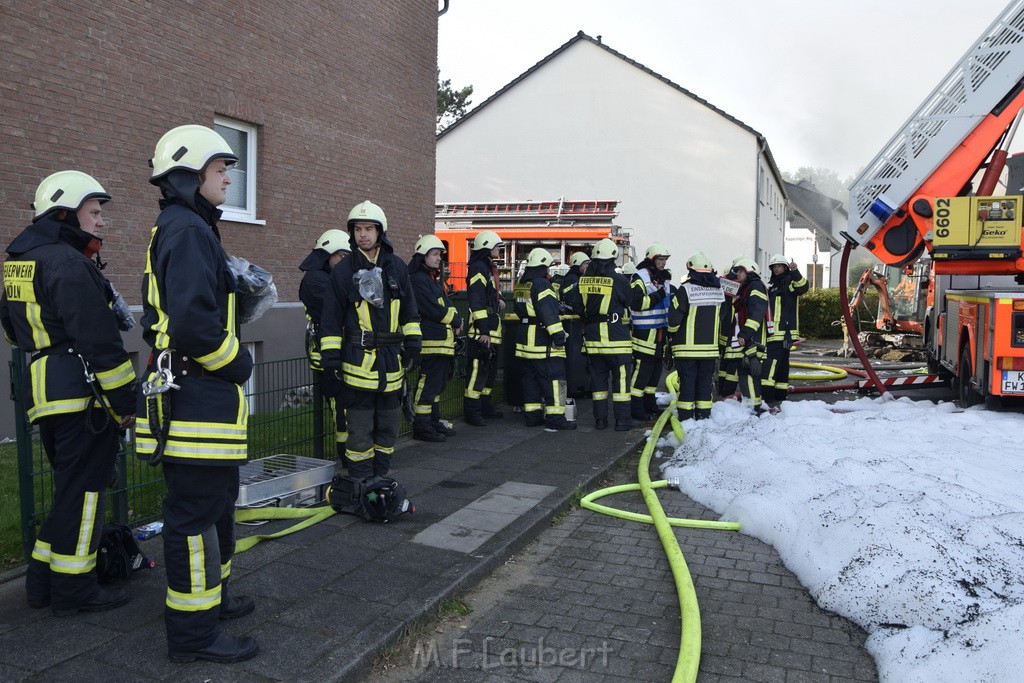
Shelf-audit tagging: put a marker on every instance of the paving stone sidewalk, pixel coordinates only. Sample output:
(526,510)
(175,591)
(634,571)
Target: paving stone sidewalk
(593,600)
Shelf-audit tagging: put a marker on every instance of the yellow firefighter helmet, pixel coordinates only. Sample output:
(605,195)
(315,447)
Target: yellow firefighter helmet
(539,257)
(488,239)
(428,242)
(367,211)
(67,190)
(190,148)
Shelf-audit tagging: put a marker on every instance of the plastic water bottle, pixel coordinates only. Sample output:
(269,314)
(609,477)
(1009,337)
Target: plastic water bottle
(149,530)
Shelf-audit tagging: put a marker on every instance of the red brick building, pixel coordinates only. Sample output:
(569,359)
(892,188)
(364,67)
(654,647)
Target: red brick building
(328,103)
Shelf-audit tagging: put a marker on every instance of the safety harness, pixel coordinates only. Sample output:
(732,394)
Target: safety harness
(158,406)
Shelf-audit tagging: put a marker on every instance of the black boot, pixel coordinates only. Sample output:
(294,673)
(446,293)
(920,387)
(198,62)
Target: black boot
(223,650)
(487,409)
(234,606)
(558,423)
(601,414)
(105,598)
(636,409)
(622,421)
(534,418)
(471,408)
(423,430)
(651,406)
(684,414)
(439,426)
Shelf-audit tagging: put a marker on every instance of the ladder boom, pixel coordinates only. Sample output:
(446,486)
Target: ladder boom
(987,79)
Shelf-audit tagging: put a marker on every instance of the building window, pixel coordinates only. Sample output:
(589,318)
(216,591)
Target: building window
(241,200)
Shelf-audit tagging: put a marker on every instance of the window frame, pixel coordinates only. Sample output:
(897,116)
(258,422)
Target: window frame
(236,214)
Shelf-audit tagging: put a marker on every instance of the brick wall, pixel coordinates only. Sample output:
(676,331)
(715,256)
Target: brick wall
(343,94)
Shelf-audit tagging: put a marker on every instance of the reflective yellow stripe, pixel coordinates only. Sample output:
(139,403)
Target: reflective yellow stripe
(478,315)
(72,564)
(88,524)
(118,377)
(196,564)
(359,456)
(225,353)
(478,277)
(411,329)
(162,340)
(449,314)
(41,551)
(225,570)
(34,316)
(330,343)
(196,601)
(71,405)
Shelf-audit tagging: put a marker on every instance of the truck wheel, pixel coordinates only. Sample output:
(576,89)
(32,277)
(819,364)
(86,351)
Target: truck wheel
(968,396)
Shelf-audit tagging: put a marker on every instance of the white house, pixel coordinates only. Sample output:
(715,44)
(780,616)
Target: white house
(587,121)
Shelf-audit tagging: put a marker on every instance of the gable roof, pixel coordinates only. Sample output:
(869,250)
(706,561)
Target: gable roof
(580,36)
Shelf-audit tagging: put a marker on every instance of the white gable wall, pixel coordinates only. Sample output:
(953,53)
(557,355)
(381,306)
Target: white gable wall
(589,125)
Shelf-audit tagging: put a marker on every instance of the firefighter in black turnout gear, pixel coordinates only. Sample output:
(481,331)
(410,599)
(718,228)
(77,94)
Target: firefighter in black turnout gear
(196,413)
(650,332)
(540,343)
(749,308)
(484,334)
(330,249)
(784,288)
(570,291)
(56,308)
(369,331)
(440,324)
(696,319)
(607,299)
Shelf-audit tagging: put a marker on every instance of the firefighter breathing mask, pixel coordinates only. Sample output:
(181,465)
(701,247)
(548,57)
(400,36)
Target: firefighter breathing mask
(371,285)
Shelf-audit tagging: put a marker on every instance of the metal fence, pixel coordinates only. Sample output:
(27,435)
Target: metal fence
(287,415)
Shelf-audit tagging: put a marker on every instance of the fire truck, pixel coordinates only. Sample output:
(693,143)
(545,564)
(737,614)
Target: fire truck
(916,196)
(563,227)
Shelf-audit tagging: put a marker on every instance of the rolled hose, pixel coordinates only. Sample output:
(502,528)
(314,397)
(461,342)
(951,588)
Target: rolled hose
(688,661)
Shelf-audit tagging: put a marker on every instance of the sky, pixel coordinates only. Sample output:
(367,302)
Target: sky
(827,83)
(905,517)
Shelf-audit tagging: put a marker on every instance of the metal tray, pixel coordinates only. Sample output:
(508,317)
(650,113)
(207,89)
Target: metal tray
(279,476)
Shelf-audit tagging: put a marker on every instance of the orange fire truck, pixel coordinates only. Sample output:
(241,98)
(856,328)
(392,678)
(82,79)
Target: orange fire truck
(915,195)
(563,227)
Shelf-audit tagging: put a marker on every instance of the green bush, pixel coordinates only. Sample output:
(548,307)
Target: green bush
(819,308)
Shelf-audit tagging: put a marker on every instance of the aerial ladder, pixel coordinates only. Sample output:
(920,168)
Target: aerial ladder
(916,196)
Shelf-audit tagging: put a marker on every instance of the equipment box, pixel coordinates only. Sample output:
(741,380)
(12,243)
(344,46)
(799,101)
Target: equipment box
(280,476)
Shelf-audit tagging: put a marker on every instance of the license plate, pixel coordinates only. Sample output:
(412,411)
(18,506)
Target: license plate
(1013,382)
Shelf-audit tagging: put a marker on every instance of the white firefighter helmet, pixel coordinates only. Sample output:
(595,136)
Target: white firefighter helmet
(488,239)
(367,211)
(333,240)
(427,242)
(746,263)
(657,249)
(190,148)
(629,268)
(699,262)
(67,190)
(778,259)
(578,259)
(605,249)
(539,257)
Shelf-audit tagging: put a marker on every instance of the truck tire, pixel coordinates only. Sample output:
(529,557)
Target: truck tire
(967,395)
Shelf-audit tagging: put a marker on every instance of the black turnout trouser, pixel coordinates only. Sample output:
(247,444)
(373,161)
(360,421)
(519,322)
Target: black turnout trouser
(63,565)
(696,376)
(199,541)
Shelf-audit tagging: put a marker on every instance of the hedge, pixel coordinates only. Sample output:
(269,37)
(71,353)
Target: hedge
(820,307)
